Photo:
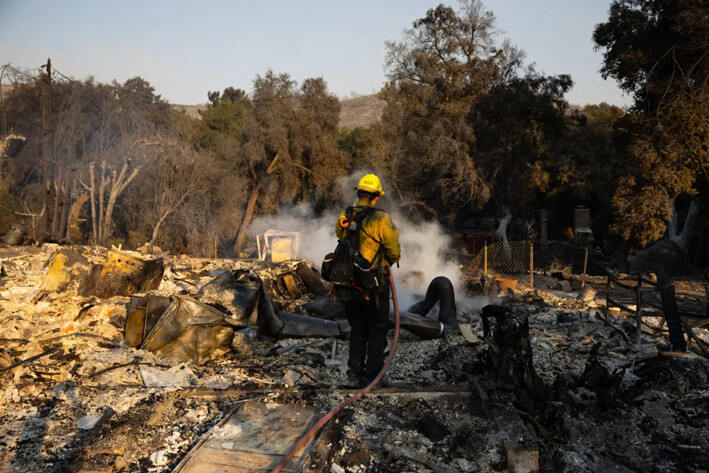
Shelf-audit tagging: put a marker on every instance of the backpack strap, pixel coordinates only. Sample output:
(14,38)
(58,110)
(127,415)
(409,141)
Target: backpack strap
(351,231)
(359,217)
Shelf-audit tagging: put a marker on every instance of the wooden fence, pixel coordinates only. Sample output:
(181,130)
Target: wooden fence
(649,294)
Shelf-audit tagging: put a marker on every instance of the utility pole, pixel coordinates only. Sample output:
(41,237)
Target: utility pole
(47,148)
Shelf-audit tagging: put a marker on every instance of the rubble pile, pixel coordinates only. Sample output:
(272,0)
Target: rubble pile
(72,386)
(543,377)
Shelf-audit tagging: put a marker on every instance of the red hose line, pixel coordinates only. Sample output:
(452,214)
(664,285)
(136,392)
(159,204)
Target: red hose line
(314,430)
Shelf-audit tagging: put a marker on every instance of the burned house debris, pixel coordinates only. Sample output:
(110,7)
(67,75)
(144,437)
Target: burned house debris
(554,258)
(178,363)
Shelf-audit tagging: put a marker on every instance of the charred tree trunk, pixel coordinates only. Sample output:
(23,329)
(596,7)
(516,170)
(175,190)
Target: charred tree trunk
(107,222)
(168,208)
(92,196)
(59,196)
(66,206)
(73,217)
(251,203)
(101,188)
(156,231)
(47,151)
(510,352)
(623,257)
(101,223)
(246,220)
(119,181)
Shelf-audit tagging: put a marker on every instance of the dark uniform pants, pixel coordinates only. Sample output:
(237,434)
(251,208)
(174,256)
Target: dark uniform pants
(368,336)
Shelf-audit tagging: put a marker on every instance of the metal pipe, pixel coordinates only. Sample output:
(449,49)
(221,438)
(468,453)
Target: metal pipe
(440,291)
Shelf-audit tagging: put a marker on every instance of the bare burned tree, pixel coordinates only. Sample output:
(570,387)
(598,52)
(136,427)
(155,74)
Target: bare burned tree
(176,175)
(111,184)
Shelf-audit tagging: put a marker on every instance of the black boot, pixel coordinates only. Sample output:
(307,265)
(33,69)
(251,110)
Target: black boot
(354,381)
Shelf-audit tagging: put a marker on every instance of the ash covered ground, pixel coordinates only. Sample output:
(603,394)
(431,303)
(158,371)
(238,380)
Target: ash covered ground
(81,402)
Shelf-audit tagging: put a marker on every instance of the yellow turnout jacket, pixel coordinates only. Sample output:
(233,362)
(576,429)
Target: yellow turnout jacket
(376,227)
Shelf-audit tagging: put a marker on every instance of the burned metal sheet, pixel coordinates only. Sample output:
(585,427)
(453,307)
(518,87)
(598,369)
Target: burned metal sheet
(243,294)
(121,275)
(179,327)
(238,292)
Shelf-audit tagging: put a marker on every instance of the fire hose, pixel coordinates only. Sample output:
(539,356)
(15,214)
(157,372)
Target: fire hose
(314,430)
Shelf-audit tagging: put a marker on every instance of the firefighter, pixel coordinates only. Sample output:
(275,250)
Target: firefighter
(368,310)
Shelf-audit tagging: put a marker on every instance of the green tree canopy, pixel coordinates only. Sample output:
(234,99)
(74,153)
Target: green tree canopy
(469,124)
(658,51)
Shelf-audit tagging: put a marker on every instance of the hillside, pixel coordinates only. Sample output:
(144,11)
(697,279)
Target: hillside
(5,89)
(191,110)
(359,111)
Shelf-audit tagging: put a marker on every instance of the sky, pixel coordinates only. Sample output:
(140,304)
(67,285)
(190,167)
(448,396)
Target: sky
(187,48)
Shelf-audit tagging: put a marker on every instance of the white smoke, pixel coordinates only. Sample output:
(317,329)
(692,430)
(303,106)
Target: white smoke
(317,232)
(423,257)
(424,245)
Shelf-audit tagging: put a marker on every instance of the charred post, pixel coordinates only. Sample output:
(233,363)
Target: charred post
(669,307)
(510,352)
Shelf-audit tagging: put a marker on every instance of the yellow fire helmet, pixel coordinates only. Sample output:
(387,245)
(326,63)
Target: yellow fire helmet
(370,183)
